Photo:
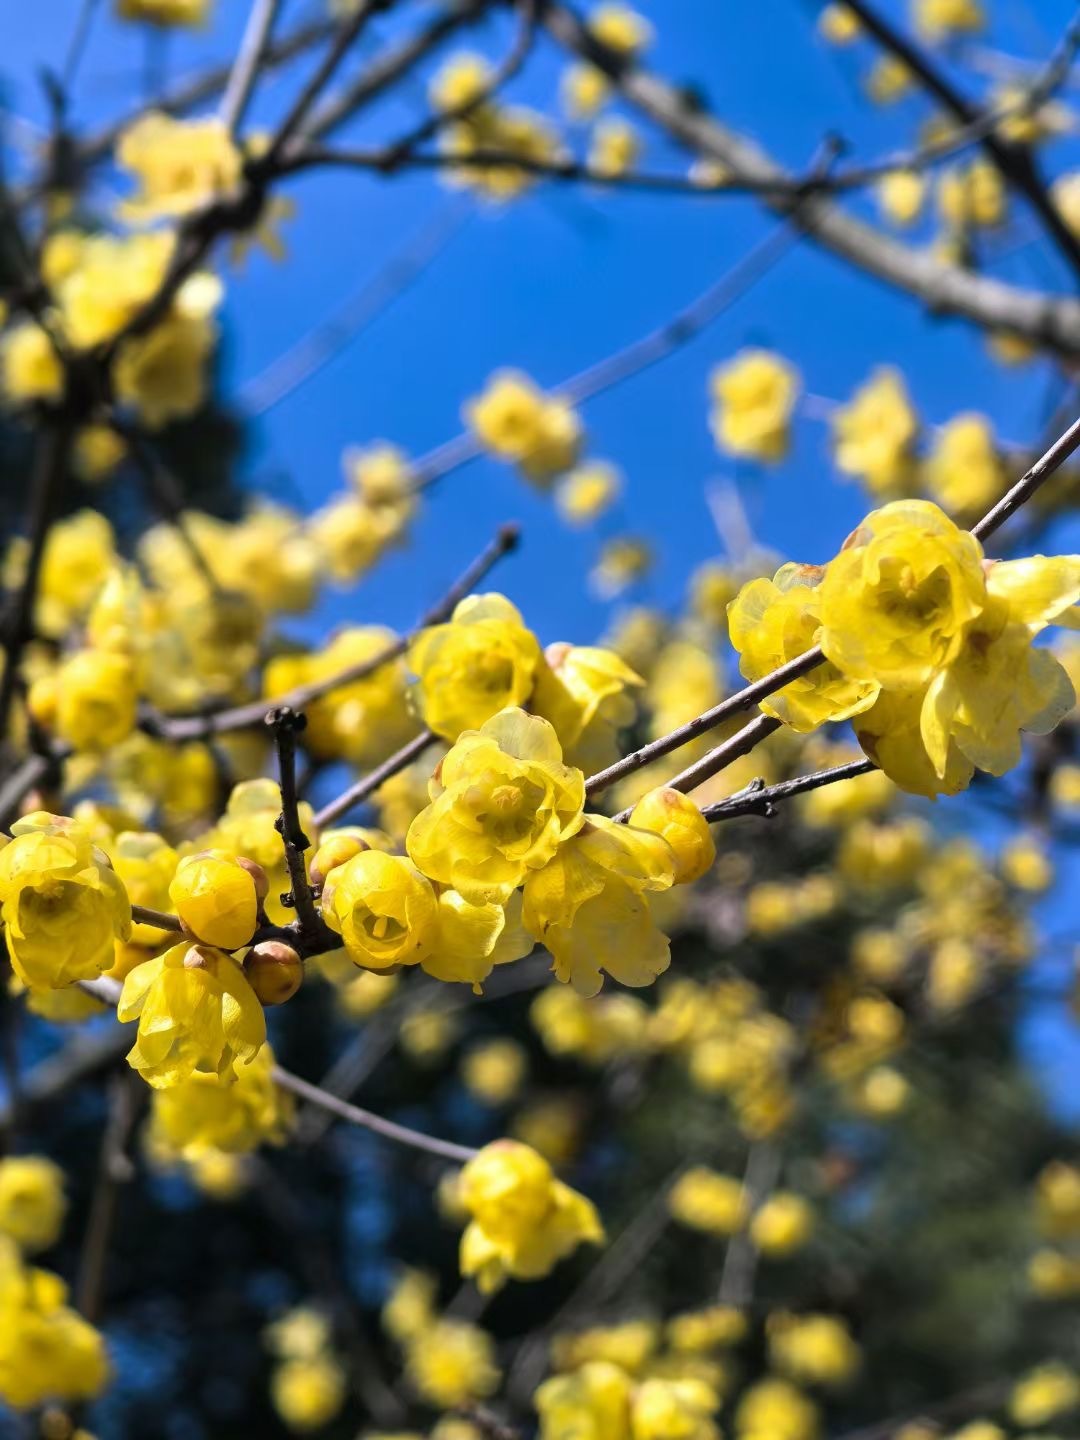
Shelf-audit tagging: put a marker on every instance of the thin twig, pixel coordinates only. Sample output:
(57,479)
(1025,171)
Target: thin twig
(369,783)
(115,1169)
(248,63)
(367,1120)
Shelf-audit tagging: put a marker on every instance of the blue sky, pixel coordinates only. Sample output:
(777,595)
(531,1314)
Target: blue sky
(561,279)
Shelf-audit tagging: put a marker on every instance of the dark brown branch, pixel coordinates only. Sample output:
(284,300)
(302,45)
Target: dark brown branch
(115,1169)
(1032,479)
(760,799)
(286,724)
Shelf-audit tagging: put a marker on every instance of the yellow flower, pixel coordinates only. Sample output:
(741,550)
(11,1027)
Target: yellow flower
(384,910)
(32,1202)
(963,471)
(972,196)
(30,368)
(1043,1394)
(583,89)
(215,898)
(410,1308)
(164,12)
(63,907)
(452,1364)
(47,1351)
(697,1331)
(180,165)
(114,276)
(873,435)
(1058,1200)
(523,1220)
(162,375)
(98,451)
(782,1224)
(816,1349)
(308,1392)
(669,814)
(838,24)
(593,1403)
(362,720)
(675,1409)
(587,492)
(462,81)
(999,685)
(890,732)
(477,664)
(901,195)
(472,939)
(938,19)
(196,1011)
(615,148)
(146,864)
(509,130)
(516,421)
(754,394)
(631,1346)
(589,905)
(502,802)
(203,1112)
(704,1200)
(620,28)
(623,560)
(383,478)
(773,1409)
(897,601)
(774,621)
(585,693)
(494,1071)
(90,701)
(889,80)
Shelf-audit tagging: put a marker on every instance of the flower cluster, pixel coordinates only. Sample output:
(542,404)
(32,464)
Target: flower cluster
(929,647)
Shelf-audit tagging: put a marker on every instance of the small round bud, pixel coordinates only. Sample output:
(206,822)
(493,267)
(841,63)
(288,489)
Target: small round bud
(195,959)
(258,874)
(334,851)
(274,971)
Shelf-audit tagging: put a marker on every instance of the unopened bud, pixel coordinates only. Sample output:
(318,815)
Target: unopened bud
(334,851)
(258,874)
(195,959)
(274,971)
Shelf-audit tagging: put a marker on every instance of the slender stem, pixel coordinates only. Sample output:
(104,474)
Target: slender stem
(1046,465)
(286,725)
(719,758)
(349,31)
(369,783)
(167,493)
(388,1129)
(744,699)
(759,799)
(160,919)
(248,64)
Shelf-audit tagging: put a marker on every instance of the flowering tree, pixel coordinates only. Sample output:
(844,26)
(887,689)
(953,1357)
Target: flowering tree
(686,1023)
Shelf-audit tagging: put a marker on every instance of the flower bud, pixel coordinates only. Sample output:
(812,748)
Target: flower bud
(274,971)
(258,874)
(670,814)
(334,851)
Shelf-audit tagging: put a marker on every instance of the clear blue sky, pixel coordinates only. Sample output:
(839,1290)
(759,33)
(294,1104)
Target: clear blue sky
(560,280)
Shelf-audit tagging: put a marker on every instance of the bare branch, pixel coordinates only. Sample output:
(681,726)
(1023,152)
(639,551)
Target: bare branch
(286,725)
(248,63)
(366,786)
